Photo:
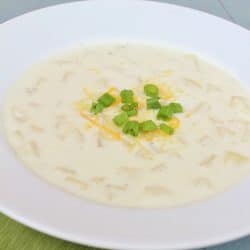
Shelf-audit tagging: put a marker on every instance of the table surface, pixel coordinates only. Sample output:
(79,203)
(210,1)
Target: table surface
(14,236)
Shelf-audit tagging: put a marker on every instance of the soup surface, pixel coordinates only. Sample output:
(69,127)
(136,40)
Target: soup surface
(50,127)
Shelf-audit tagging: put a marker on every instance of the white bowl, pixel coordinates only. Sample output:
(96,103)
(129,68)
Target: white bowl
(27,199)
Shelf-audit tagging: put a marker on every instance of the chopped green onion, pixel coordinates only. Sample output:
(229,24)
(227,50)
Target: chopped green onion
(96,108)
(131,109)
(153,103)
(165,113)
(126,107)
(120,119)
(151,90)
(106,100)
(176,107)
(127,96)
(132,128)
(148,126)
(132,112)
(165,128)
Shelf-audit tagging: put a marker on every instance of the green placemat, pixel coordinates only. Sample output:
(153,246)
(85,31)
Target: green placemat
(14,236)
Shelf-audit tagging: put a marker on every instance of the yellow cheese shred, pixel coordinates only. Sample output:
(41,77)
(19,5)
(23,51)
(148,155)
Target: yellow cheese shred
(80,105)
(102,127)
(113,91)
(166,93)
(174,123)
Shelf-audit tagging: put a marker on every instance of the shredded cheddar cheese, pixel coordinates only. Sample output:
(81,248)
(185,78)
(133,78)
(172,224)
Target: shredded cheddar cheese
(80,105)
(166,93)
(113,91)
(174,123)
(102,127)
(117,101)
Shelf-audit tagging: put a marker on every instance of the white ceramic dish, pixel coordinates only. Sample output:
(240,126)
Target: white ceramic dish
(27,199)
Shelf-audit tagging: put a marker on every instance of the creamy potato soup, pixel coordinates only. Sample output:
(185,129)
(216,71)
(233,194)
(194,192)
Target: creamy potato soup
(131,125)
